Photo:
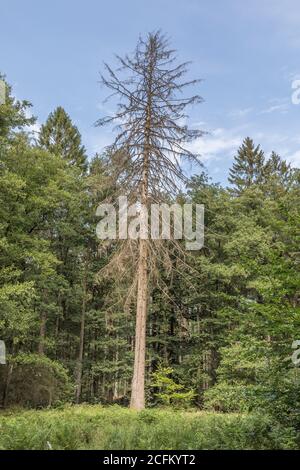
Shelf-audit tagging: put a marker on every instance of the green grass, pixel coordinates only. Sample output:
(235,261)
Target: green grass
(112,428)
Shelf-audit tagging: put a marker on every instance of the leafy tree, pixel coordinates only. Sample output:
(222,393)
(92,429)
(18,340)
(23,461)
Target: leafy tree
(220,322)
(13,113)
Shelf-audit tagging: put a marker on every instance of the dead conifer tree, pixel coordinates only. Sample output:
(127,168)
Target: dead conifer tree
(146,156)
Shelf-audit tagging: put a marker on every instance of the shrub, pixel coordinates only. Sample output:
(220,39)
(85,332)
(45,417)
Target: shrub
(234,398)
(36,381)
(170,392)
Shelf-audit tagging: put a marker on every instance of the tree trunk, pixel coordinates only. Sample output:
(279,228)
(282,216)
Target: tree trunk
(6,386)
(137,401)
(81,344)
(138,381)
(42,334)
(116,378)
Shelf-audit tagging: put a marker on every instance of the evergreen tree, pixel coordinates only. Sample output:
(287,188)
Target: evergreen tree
(278,174)
(61,137)
(248,167)
(149,118)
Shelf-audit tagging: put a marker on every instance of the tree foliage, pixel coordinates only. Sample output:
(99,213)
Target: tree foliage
(220,323)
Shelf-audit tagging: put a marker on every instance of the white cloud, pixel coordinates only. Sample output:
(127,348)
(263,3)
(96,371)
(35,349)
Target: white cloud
(220,142)
(277,105)
(294,159)
(33,128)
(283,108)
(239,113)
(96,139)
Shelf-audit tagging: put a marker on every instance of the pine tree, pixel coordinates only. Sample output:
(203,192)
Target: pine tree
(61,137)
(150,116)
(277,173)
(248,166)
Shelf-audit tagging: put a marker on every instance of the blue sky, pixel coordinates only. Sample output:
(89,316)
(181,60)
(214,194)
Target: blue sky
(247,53)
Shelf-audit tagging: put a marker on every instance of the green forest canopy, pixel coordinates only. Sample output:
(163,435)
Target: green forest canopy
(219,332)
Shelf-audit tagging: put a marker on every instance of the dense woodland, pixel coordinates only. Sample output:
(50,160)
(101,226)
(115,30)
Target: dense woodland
(221,321)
